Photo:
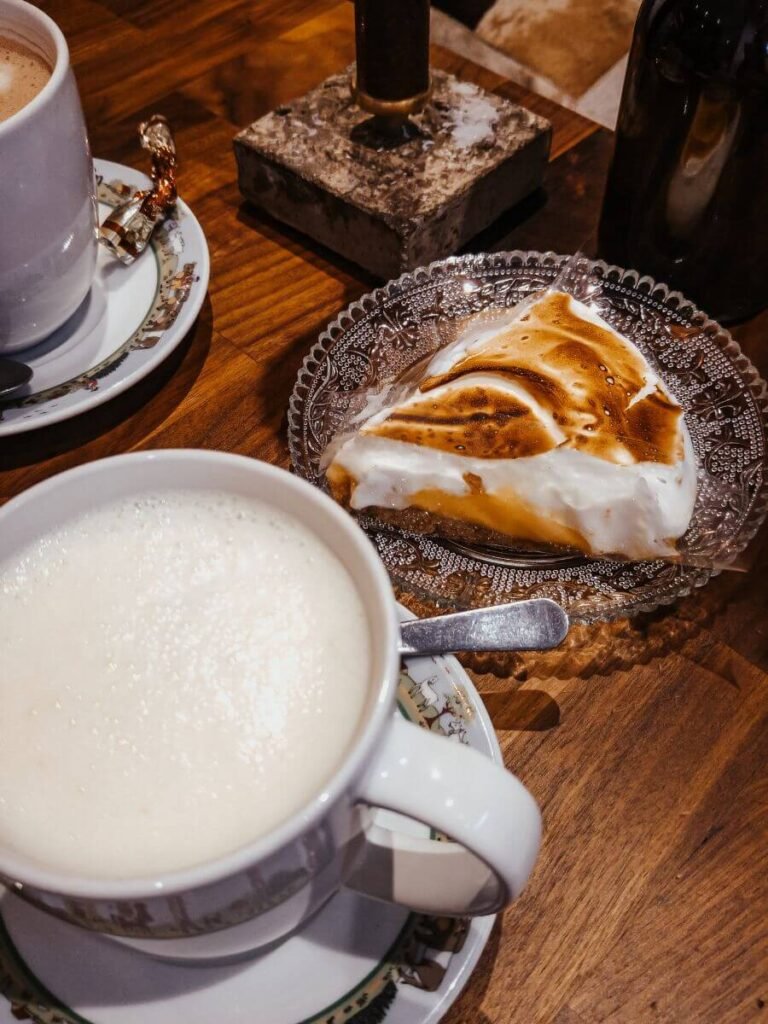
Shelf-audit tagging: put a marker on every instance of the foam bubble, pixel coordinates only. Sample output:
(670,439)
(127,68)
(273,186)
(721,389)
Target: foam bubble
(23,73)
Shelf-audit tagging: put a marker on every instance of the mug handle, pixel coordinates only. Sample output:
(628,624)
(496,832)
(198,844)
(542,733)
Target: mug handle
(494,820)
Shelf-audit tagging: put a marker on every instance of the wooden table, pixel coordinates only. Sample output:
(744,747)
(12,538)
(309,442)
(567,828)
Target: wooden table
(646,743)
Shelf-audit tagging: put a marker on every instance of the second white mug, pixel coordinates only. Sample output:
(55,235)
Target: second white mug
(261,892)
(48,207)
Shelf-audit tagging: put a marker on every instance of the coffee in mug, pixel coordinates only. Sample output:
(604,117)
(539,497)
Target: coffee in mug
(23,73)
(182,672)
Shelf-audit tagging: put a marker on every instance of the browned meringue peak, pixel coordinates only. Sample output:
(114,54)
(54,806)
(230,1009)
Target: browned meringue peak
(484,422)
(578,372)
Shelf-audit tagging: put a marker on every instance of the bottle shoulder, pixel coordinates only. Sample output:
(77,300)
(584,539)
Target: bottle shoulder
(723,39)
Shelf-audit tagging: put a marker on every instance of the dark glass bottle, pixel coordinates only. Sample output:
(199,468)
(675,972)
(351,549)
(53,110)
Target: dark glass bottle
(687,194)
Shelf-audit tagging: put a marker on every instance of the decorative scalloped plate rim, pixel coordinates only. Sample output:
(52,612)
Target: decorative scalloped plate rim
(657,295)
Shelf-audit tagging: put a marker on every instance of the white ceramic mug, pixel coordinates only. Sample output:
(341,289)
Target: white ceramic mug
(48,214)
(260,893)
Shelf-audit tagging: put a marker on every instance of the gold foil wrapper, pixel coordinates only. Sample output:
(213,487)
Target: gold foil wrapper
(127,229)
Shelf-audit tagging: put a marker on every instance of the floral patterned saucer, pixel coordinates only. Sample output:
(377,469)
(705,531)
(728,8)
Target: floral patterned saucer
(131,320)
(357,961)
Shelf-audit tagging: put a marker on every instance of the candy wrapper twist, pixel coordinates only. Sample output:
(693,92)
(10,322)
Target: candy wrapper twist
(128,228)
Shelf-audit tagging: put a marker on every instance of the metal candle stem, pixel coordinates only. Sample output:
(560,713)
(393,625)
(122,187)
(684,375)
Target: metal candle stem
(392,38)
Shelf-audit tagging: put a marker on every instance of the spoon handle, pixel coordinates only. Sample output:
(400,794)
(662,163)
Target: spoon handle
(13,375)
(536,625)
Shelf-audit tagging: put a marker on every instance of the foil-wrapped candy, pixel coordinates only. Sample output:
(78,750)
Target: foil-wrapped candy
(127,229)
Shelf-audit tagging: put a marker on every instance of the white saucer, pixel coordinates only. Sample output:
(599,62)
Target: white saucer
(356,962)
(131,320)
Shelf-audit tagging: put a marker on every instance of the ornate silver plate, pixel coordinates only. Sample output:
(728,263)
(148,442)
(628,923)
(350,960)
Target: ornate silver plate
(377,338)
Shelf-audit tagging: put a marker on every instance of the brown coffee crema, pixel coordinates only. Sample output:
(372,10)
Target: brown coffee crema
(23,74)
(579,372)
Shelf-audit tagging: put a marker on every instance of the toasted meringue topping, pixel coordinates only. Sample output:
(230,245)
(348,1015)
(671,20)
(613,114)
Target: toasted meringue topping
(479,415)
(569,369)
(551,428)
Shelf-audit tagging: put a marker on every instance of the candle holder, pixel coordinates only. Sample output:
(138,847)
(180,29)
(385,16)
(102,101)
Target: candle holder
(387,164)
(392,79)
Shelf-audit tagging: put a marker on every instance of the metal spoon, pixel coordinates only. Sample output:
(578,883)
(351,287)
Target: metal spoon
(536,625)
(13,375)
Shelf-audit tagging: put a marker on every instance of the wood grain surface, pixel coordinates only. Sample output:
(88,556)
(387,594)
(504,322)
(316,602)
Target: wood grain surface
(645,742)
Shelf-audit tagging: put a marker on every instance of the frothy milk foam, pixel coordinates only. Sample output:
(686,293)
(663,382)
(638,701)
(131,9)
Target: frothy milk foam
(180,673)
(23,73)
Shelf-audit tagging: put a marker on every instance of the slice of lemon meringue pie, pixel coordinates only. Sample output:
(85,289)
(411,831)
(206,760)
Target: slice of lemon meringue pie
(549,431)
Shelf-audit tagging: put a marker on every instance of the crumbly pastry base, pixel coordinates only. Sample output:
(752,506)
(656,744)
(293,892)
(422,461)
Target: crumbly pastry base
(431,524)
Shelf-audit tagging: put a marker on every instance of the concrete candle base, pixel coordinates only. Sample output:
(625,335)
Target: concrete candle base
(392,205)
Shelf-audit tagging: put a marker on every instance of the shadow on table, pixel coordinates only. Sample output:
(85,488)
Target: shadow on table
(598,649)
(318,256)
(282,369)
(528,710)
(466,1006)
(710,627)
(155,397)
(562,214)
(602,648)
